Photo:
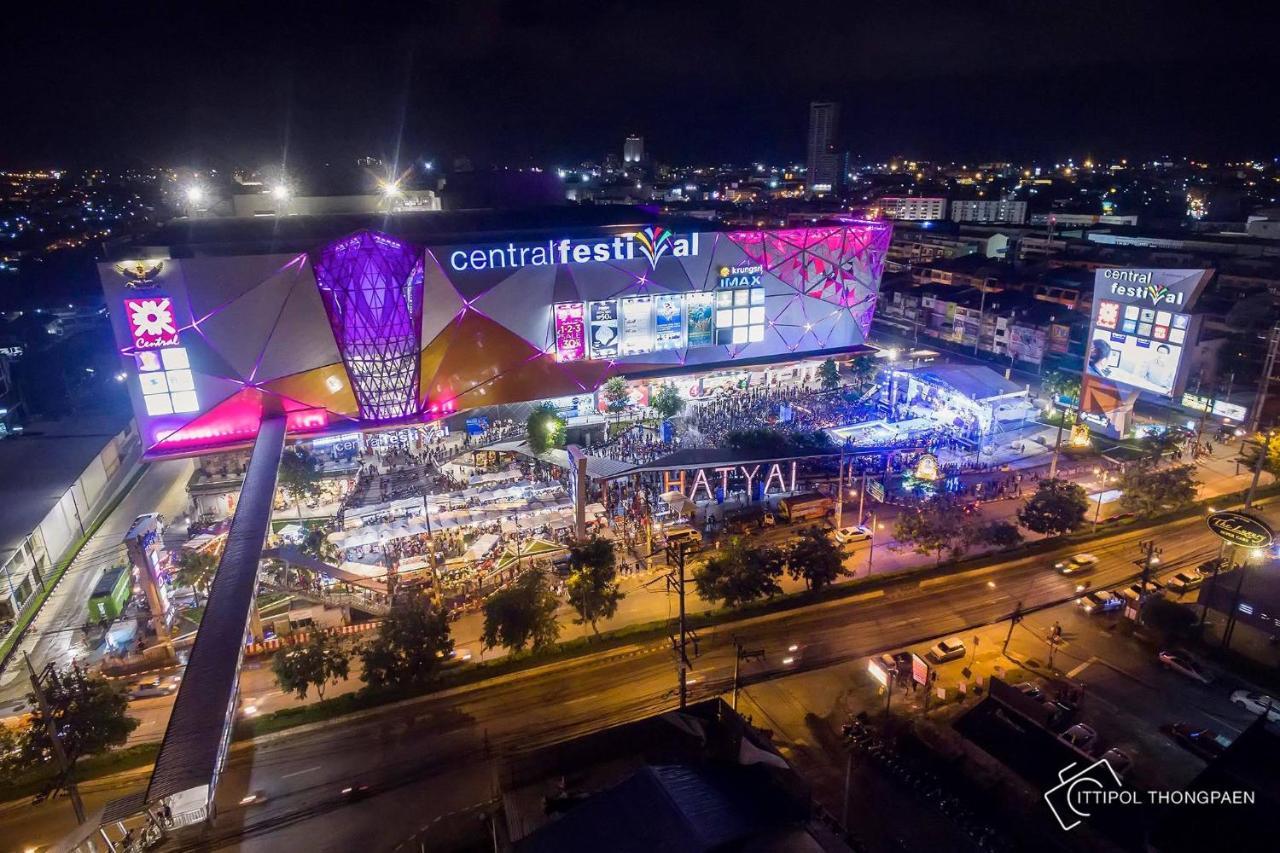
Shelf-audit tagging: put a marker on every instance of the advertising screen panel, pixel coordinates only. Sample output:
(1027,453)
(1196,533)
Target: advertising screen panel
(637,325)
(702,324)
(604,328)
(571,334)
(1139,332)
(668,321)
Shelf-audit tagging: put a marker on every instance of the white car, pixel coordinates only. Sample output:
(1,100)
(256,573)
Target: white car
(1184,665)
(945,650)
(1257,703)
(1076,564)
(1080,736)
(853,534)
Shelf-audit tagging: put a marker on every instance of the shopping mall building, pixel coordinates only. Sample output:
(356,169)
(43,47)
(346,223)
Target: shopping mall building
(347,322)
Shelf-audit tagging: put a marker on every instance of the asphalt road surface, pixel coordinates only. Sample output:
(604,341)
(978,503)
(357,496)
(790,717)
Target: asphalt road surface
(435,756)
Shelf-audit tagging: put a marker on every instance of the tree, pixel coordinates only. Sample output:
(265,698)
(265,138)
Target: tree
(816,558)
(1062,385)
(617,396)
(740,572)
(937,525)
(299,476)
(1001,535)
(593,581)
(412,643)
(196,569)
(862,372)
(1249,452)
(829,375)
(522,615)
(90,714)
(667,402)
(546,428)
(1147,491)
(315,663)
(1158,445)
(1057,507)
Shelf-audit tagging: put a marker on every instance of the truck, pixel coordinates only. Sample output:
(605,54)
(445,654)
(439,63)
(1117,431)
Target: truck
(748,519)
(110,594)
(809,506)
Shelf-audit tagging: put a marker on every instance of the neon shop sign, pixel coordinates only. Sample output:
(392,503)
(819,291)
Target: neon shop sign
(773,480)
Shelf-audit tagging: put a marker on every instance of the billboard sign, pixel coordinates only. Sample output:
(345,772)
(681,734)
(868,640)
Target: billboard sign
(604,328)
(637,325)
(1138,335)
(701,317)
(1240,529)
(571,333)
(668,321)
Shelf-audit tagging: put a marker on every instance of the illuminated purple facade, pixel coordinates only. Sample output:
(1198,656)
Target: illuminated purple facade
(372,289)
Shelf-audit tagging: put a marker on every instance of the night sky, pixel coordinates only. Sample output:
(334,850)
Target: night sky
(221,85)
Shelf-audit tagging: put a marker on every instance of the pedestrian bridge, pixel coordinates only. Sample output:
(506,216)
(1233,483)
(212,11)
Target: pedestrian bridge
(194,749)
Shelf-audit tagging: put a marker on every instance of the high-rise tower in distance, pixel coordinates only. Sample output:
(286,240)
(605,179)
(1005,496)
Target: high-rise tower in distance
(824,163)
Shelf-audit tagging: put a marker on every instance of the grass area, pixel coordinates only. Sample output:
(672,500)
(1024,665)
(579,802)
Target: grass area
(33,781)
(51,580)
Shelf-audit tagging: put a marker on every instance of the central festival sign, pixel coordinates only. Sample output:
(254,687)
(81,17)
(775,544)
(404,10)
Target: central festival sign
(1240,529)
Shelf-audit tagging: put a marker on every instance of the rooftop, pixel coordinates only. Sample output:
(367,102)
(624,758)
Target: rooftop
(62,450)
(271,234)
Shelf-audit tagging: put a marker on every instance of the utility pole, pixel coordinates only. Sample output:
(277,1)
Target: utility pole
(1013,620)
(739,655)
(676,584)
(1264,386)
(862,497)
(1218,566)
(1149,560)
(1264,447)
(1057,445)
(840,494)
(55,739)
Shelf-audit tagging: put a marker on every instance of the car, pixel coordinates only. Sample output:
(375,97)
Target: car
(1183,664)
(1080,736)
(1185,581)
(1200,741)
(1076,564)
(1138,593)
(945,650)
(1100,601)
(1257,703)
(857,533)
(1119,760)
(355,792)
(1031,690)
(150,688)
(683,533)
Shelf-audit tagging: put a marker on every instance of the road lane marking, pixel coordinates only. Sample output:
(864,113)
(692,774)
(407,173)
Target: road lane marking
(1081,668)
(300,772)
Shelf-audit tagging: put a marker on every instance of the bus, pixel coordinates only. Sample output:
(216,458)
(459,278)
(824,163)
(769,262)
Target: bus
(110,594)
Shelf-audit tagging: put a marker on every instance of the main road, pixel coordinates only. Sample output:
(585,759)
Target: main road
(430,758)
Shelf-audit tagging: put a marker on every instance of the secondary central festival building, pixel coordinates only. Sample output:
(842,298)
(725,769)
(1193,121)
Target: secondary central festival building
(348,323)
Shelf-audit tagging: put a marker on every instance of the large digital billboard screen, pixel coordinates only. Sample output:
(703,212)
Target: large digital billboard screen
(1139,333)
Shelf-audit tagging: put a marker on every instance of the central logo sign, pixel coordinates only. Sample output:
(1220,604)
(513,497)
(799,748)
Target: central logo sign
(151,322)
(650,243)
